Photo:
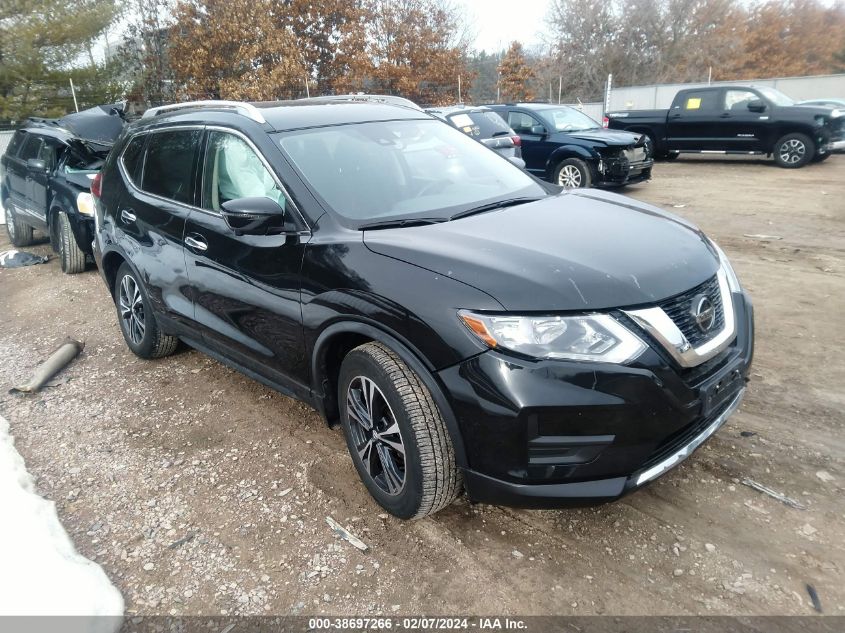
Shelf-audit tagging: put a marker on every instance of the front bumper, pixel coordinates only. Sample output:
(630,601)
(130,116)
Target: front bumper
(615,172)
(835,147)
(554,433)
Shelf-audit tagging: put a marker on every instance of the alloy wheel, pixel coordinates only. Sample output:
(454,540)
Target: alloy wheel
(10,222)
(131,306)
(792,151)
(570,176)
(376,435)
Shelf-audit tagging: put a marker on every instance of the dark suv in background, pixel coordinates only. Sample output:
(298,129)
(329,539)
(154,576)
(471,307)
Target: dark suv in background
(467,324)
(565,146)
(46,175)
(485,126)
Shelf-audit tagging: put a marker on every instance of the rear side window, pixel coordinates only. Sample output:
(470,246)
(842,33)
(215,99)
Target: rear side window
(169,164)
(31,147)
(132,155)
(703,101)
(15,143)
(480,124)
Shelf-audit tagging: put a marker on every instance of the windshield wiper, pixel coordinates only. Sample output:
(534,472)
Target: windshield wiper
(501,204)
(393,224)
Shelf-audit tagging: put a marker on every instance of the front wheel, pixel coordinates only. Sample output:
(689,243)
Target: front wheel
(137,321)
(572,173)
(72,257)
(396,435)
(794,150)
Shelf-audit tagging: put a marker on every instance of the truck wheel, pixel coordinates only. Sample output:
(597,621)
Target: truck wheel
(648,146)
(72,257)
(20,234)
(137,321)
(397,438)
(572,173)
(794,150)
(818,158)
(672,155)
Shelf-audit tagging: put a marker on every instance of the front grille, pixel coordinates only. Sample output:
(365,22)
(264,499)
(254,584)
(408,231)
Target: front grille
(679,309)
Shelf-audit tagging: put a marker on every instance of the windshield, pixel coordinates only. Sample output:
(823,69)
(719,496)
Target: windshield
(569,120)
(776,97)
(390,170)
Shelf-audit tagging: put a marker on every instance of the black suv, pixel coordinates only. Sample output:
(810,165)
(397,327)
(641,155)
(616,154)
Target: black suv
(46,175)
(565,146)
(467,324)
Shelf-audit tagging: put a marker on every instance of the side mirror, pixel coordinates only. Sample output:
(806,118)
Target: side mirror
(255,216)
(517,161)
(757,105)
(538,130)
(36,164)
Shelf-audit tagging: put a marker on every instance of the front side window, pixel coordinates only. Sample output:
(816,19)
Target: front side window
(233,170)
(776,97)
(386,170)
(31,147)
(738,100)
(47,153)
(521,122)
(169,164)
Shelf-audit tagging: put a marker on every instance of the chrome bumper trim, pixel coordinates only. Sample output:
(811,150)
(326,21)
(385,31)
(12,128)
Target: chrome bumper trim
(680,455)
(835,146)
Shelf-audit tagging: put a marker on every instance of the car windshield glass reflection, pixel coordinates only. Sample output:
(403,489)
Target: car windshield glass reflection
(570,120)
(403,169)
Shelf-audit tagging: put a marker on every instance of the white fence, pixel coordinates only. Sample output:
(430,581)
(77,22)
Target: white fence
(660,96)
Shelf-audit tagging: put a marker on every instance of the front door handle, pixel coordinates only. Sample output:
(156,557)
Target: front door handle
(726,115)
(196,242)
(127,216)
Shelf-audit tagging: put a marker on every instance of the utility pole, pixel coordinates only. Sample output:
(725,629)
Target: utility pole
(498,82)
(559,88)
(73,92)
(307,90)
(460,100)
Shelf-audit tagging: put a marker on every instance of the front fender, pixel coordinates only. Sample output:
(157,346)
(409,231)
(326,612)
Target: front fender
(569,151)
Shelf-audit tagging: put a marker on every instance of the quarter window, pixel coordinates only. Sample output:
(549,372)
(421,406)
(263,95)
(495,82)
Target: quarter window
(169,164)
(233,170)
(132,156)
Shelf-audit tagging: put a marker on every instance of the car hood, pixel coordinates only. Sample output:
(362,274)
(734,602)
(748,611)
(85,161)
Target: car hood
(574,251)
(599,137)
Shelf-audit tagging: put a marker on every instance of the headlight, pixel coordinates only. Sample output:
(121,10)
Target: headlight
(85,203)
(733,280)
(836,113)
(592,337)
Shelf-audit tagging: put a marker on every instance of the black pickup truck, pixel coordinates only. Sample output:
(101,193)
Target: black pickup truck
(738,120)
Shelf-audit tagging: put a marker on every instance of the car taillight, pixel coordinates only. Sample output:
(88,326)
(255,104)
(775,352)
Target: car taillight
(605,122)
(97,185)
(516,140)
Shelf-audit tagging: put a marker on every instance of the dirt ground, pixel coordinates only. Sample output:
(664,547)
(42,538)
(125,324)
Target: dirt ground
(202,492)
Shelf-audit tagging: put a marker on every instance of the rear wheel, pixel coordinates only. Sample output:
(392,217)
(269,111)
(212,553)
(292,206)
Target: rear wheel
(671,155)
(395,433)
(137,321)
(818,158)
(794,150)
(20,234)
(572,173)
(72,257)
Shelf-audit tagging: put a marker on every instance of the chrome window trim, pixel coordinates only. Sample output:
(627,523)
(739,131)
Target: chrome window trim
(663,329)
(267,166)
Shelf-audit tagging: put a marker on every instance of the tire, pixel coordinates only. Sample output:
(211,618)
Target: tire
(794,150)
(137,321)
(671,156)
(572,173)
(819,158)
(648,146)
(20,234)
(408,464)
(71,256)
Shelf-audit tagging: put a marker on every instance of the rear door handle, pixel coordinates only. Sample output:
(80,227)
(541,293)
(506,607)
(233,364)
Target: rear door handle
(196,242)
(127,216)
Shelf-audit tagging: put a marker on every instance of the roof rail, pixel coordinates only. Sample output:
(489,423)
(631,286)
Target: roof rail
(246,109)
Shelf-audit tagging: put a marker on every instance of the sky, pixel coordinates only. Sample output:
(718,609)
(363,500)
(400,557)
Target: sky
(496,23)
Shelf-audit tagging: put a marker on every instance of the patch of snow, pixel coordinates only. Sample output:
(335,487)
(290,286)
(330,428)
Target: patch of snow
(41,572)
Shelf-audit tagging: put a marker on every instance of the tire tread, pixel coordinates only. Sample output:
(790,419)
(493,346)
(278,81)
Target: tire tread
(73,259)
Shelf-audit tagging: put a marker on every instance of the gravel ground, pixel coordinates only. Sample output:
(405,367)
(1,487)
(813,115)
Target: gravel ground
(200,491)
